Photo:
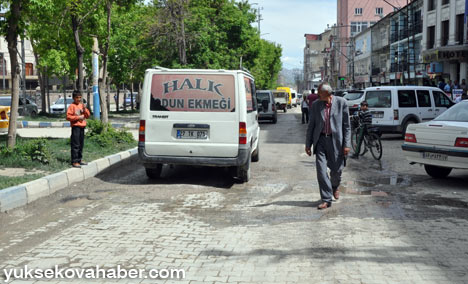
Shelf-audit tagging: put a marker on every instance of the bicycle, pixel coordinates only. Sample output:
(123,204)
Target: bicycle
(371,139)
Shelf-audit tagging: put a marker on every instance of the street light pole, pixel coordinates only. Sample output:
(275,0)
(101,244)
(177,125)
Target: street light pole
(3,70)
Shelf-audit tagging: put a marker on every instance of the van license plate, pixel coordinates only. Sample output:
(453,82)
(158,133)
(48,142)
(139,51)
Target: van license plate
(434,156)
(192,134)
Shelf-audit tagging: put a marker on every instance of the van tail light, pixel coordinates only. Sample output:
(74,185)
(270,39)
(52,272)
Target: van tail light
(410,137)
(141,131)
(355,105)
(461,142)
(273,107)
(3,115)
(395,114)
(242,133)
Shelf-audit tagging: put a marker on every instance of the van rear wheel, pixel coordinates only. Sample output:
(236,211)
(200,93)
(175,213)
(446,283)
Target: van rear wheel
(154,172)
(243,172)
(256,153)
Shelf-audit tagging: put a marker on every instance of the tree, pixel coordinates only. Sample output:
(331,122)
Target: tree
(12,27)
(80,11)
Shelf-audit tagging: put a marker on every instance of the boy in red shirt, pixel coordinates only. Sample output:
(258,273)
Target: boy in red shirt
(76,114)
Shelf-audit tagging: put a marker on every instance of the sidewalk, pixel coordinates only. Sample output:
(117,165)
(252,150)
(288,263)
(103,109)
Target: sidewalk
(26,193)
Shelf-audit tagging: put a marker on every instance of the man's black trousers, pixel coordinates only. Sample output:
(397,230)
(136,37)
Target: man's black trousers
(305,114)
(77,141)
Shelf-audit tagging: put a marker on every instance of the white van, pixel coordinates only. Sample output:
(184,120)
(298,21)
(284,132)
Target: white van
(198,117)
(395,107)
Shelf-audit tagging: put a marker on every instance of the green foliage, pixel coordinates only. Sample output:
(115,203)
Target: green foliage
(107,136)
(33,150)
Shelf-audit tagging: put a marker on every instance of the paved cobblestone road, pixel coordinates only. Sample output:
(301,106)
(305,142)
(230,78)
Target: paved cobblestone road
(266,231)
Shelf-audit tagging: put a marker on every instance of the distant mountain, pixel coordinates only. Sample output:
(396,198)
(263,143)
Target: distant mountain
(287,77)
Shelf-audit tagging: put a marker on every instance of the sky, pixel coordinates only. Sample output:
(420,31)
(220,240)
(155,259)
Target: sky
(286,21)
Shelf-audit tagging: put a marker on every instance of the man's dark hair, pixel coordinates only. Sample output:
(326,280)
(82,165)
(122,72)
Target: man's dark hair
(364,103)
(312,91)
(76,93)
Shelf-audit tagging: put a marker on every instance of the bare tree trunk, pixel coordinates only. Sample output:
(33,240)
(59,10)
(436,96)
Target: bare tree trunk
(47,90)
(117,100)
(41,83)
(139,95)
(131,96)
(182,44)
(64,82)
(12,39)
(108,96)
(105,52)
(76,27)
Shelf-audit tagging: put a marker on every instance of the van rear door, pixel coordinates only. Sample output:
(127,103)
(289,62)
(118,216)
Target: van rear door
(192,115)
(380,105)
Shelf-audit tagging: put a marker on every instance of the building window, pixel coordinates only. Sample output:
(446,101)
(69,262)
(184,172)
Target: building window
(379,11)
(430,37)
(444,33)
(431,5)
(460,28)
(372,23)
(29,69)
(358,11)
(357,27)
(445,2)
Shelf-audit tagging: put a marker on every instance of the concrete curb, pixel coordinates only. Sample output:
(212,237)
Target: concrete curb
(20,195)
(56,124)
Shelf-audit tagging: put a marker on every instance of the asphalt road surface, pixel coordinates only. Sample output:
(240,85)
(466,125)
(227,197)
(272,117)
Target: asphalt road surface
(392,224)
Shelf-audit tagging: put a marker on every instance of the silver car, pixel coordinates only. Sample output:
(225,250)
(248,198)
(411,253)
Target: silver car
(26,107)
(266,105)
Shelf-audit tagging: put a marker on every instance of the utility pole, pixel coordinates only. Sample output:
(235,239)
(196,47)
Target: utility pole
(96,105)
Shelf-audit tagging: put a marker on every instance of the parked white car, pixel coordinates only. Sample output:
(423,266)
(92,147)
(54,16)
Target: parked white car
(198,117)
(394,108)
(441,144)
(59,105)
(353,100)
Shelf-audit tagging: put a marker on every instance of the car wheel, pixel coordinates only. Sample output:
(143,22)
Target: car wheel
(285,109)
(256,153)
(275,120)
(405,127)
(154,173)
(437,172)
(243,172)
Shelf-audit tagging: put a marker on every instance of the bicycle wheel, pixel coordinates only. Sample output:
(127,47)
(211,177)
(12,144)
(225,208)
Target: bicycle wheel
(355,138)
(375,146)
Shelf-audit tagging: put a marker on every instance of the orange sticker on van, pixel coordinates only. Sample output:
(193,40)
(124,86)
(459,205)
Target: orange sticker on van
(199,93)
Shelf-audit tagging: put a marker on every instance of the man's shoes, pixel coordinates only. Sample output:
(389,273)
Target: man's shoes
(83,163)
(336,193)
(76,165)
(324,205)
(354,156)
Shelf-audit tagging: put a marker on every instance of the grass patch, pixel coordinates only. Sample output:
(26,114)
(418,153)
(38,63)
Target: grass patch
(12,181)
(53,155)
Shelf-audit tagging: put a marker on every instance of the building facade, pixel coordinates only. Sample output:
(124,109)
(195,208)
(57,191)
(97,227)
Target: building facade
(5,66)
(380,62)
(445,42)
(406,33)
(353,17)
(315,58)
(361,65)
